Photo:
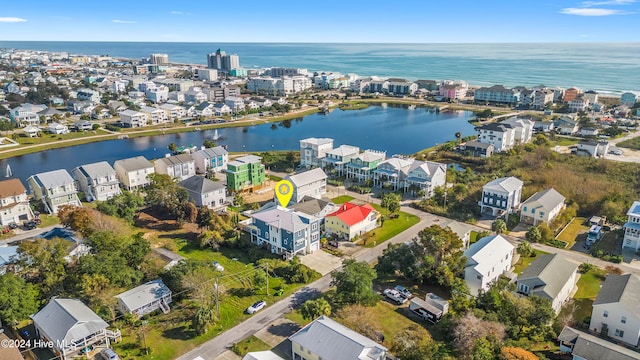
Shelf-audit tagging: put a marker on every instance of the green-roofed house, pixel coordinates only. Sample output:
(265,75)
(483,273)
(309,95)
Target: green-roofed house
(245,173)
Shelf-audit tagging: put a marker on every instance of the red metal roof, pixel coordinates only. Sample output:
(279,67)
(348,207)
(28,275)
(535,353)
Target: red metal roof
(352,214)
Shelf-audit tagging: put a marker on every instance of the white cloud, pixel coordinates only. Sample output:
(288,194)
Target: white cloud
(123,21)
(593,12)
(609,2)
(179,13)
(12,20)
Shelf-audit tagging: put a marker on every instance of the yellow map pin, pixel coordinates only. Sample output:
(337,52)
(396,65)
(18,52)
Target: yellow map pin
(284,192)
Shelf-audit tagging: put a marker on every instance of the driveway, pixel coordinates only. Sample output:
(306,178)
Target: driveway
(321,261)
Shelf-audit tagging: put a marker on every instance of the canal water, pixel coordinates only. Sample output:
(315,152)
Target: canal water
(394,129)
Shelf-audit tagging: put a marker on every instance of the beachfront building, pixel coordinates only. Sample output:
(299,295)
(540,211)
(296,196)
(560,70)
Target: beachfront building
(616,313)
(423,177)
(98,181)
(453,91)
(487,259)
(14,203)
(285,231)
(549,276)
(542,206)
(132,118)
(54,189)
(362,166)
(496,94)
(312,150)
(71,327)
(205,192)
(631,239)
(335,160)
(401,87)
(245,173)
(312,183)
(628,99)
(279,86)
(570,94)
(541,98)
(134,172)
(179,166)
(501,196)
(350,220)
(392,172)
(211,159)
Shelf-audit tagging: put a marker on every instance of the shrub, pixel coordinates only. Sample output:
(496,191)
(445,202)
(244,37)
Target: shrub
(585,268)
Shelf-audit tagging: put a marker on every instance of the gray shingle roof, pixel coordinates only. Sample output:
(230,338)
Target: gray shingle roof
(135,163)
(176,159)
(590,347)
(307,177)
(620,289)
(553,270)
(506,184)
(282,219)
(201,185)
(311,206)
(52,179)
(144,294)
(98,169)
(331,340)
(546,199)
(66,320)
(212,152)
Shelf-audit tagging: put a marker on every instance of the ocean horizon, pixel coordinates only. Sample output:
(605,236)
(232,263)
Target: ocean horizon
(610,68)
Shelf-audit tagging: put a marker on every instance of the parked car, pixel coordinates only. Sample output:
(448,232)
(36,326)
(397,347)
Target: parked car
(109,354)
(29,225)
(13,226)
(395,296)
(403,291)
(257,306)
(37,221)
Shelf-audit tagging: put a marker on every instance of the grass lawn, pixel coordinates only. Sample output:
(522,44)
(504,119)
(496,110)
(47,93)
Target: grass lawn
(473,237)
(571,232)
(48,220)
(524,262)
(588,288)
(633,143)
(391,227)
(248,345)
(342,199)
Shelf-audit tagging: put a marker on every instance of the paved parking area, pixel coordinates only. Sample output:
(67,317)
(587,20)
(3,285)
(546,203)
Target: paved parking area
(277,332)
(321,261)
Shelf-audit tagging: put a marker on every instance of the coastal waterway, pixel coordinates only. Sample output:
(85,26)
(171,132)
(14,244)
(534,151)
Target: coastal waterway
(391,128)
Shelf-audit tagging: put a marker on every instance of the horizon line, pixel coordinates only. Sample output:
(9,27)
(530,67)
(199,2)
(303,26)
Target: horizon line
(329,42)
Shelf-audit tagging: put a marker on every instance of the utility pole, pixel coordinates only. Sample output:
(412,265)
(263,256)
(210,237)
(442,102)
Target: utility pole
(267,271)
(217,302)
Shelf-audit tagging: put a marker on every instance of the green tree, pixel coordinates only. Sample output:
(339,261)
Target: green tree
(354,284)
(533,235)
(18,299)
(443,256)
(238,200)
(313,309)
(458,136)
(208,143)
(391,202)
(43,263)
(259,280)
(413,343)
(546,233)
(499,226)
(173,147)
(124,206)
(525,249)
(203,319)
(166,196)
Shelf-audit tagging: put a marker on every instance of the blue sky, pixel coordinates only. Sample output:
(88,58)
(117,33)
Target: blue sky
(400,21)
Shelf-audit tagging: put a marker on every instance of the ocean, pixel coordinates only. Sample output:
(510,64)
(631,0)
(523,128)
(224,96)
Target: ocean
(604,67)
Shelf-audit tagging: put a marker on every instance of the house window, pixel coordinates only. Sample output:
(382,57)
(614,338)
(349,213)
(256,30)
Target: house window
(619,333)
(623,320)
(606,313)
(524,288)
(479,277)
(524,208)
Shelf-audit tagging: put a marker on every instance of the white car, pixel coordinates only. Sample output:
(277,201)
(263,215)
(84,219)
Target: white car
(217,266)
(257,306)
(394,295)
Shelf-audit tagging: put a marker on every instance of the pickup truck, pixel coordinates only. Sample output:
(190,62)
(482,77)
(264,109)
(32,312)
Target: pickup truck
(395,296)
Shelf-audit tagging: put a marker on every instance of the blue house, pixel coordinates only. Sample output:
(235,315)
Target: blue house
(286,231)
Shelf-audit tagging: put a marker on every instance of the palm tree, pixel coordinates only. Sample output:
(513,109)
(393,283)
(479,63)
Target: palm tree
(458,136)
(499,226)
